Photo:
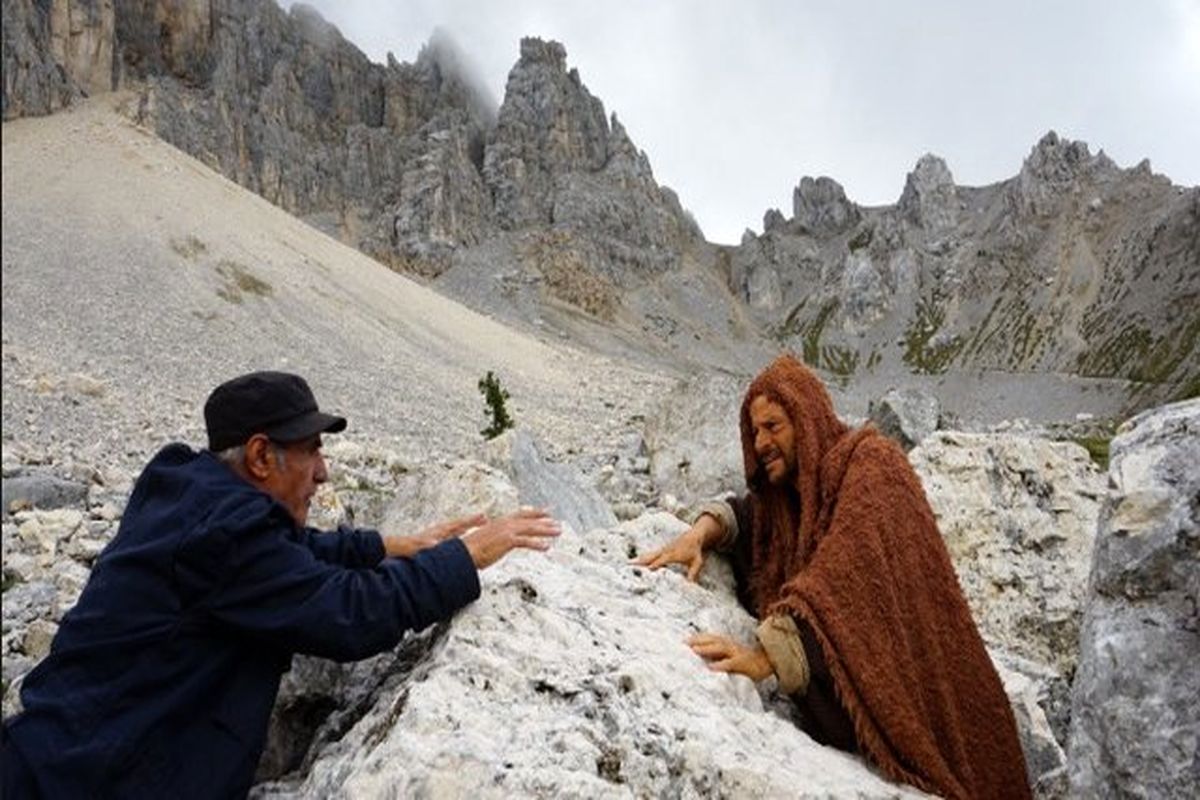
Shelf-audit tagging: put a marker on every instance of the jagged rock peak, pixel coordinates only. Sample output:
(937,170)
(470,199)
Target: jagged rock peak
(930,196)
(820,206)
(535,50)
(315,28)
(1058,160)
(1052,167)
(549,124)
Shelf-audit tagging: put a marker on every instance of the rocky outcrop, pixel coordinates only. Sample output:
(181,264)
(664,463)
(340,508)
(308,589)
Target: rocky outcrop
(930,198)
(554,161)
(1135,723)
(820,206)
(384,156)
(906,415)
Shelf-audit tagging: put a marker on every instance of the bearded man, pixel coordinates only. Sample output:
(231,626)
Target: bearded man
(863,622)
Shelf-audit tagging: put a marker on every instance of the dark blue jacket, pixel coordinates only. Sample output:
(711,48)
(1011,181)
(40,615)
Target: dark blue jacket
(161,680)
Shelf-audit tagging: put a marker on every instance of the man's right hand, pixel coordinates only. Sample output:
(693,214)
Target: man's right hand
(687,548)
(531,528)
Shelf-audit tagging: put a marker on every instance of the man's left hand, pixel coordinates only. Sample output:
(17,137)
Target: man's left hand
(409,546)
(726,655)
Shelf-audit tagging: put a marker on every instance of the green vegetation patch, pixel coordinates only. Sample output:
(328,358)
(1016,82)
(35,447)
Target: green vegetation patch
(190,247)
(860,240)
(811,333)
(496,397)
(1135,353)
(1097,447)
(921,354)
(240,281)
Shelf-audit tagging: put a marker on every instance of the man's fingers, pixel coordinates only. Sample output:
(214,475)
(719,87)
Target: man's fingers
(461,525)
(531,513)
(710,646)
(533,544)
(694,569)
(547,528)
(648,559)
(724,665)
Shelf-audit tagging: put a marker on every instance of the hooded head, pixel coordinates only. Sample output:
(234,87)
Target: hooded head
(785,509)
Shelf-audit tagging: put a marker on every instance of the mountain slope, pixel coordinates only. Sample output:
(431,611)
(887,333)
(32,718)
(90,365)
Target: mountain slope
(135,279)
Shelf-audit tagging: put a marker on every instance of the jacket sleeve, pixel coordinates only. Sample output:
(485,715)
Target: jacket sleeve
(350,547)
(280,594)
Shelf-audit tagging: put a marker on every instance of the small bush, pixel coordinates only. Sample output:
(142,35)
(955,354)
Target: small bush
(495,396)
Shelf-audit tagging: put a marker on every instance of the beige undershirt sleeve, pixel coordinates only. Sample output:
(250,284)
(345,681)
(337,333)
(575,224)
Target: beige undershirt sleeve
(722,512)
(779,636)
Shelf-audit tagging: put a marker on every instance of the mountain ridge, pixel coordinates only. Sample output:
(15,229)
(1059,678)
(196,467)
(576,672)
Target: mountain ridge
(545,213)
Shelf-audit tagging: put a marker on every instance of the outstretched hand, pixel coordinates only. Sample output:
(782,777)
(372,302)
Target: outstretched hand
(687,548)
(531,528)
(726,655)
(408,546)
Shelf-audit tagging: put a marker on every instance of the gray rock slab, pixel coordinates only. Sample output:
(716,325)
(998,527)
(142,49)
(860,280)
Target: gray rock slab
(36,490)
(541,482)
(1135,727)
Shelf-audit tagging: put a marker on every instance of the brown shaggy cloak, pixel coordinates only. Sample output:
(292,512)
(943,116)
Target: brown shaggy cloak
(860,559)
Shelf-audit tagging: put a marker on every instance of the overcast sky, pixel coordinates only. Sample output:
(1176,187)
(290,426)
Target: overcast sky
(734,102)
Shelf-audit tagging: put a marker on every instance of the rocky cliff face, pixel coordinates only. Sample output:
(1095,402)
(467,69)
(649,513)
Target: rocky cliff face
(55,52)
(1074,266)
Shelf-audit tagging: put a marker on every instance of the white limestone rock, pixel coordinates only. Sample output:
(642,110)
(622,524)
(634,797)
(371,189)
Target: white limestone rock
(570,678)
(1018,514)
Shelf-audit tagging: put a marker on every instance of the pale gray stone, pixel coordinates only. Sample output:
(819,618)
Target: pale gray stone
(906,415)
(543,483)
(1135,728)
(40,490)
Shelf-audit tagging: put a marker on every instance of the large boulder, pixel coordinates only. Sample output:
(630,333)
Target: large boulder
(570,677)
(1018,514)
(1135,728)
(906,415)
(930,198)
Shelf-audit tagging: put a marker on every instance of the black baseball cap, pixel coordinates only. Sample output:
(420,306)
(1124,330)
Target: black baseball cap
(278,404)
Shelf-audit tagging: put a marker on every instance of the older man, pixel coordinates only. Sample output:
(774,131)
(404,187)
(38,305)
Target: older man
(161,680)
(863,621)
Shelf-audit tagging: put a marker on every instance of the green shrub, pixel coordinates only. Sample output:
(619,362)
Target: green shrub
(495,396)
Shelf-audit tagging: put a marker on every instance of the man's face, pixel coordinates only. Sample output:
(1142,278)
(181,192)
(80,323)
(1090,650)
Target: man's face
(294,480)
(774,440)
